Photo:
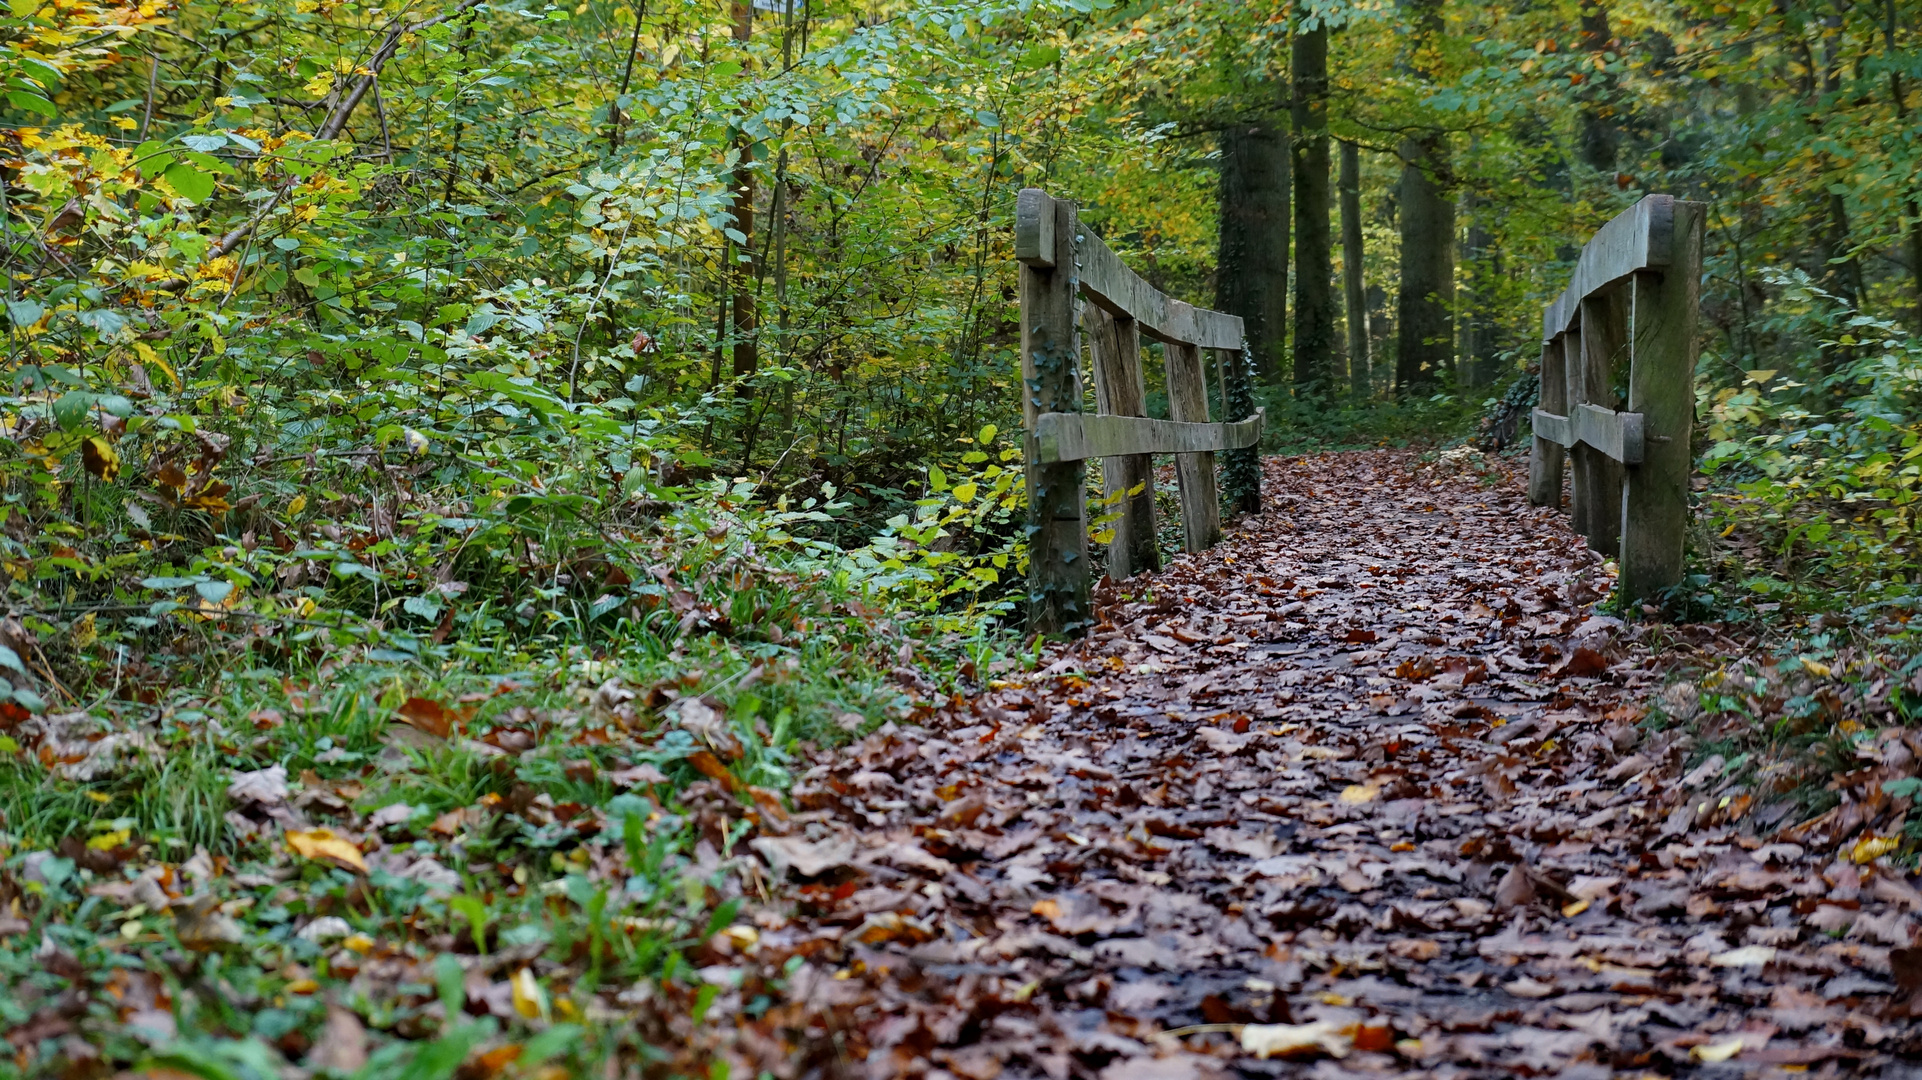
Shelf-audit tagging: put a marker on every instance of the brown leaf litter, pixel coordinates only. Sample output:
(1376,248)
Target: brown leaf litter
(1363,785)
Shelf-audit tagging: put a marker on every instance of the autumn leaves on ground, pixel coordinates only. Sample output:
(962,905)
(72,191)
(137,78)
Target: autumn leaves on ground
(1370,787)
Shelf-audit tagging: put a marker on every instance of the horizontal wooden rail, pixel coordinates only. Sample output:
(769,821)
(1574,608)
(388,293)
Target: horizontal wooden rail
(1639,238)
(1616,434)
(1103,278)
(1081,436)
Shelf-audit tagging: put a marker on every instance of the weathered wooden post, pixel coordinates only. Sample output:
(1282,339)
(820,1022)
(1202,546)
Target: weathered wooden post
(1188,403)
(1121,390)
(1058,579)
(1661,387)
(1545,463)
(1604,339)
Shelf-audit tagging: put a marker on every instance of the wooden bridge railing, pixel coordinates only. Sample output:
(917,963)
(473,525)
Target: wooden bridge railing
(1626,321)
(1062,260)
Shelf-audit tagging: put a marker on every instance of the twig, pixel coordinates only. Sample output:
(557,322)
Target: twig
(328,130)
(153,79)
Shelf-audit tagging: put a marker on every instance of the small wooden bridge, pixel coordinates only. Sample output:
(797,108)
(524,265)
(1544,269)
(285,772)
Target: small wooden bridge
(1616,400)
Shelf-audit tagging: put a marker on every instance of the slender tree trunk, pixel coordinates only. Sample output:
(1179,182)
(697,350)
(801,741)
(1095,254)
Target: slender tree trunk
(1910,211)
(1478,330)
(1425,339)
(1251,276)
(1601,134)
(1353,287)
(746,352)
(1316,346)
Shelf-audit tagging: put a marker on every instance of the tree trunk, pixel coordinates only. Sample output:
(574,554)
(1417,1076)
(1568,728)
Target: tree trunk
(1425,339)
(1251,276)
(747,358)
(1912,214)
(1315,342)
(1478,329)
(1601,135)
(1353,289)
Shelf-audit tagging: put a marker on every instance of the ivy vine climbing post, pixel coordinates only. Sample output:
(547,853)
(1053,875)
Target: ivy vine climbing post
(1058,578)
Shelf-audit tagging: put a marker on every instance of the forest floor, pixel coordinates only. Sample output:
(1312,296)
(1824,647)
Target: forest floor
(1368,788)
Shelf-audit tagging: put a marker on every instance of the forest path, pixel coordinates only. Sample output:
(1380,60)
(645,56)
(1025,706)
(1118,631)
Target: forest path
(1371,768)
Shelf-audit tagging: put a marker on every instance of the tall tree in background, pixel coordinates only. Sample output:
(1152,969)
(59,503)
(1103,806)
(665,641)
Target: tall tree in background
(1251,276)
(1601,135)
(1316,349)
(747,357)
(1425,338)
(1354,288)
(1478,331)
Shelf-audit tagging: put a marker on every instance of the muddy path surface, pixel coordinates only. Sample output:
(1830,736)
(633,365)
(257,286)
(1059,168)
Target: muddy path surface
(1369,788)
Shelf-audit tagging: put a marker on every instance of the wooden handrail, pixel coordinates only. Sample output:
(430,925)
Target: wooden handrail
(1080,436)
(1063,260)
(1102,277)
(1631,302)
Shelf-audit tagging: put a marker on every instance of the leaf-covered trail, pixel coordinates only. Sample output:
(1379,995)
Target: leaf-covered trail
(1371,769)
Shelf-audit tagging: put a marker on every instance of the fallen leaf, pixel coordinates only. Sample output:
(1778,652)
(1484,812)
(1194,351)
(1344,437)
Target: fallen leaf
(427,715)
(328,845)
(529,999)
(1289,1040)
(1515,890)
(1357,794)
(1716,1053)
(342,1046)
(1872,847)
(804,857)
(1746,956)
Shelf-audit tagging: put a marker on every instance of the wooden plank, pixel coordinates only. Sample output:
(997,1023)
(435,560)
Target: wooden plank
(1188,403)
(1616,435)
(1079,436)
(1058,574)
(1578,485)
(1604,342)
(1120,391)
(1546,455)
(1661,385)
(1552,429)
(1638,238)
(1108,282)
(1034,241)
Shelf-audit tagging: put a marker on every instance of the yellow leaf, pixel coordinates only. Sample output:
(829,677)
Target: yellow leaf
(1356,794)
(1047,909)
(1569,911)
(83,631)
(1872,847)
(328,845)
(99,458)
(295,506)
(987,434)
(1760,375)
(1715,1053)
(1816,668)
(107,841)
(965,492)
(529,999)
(149,356)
